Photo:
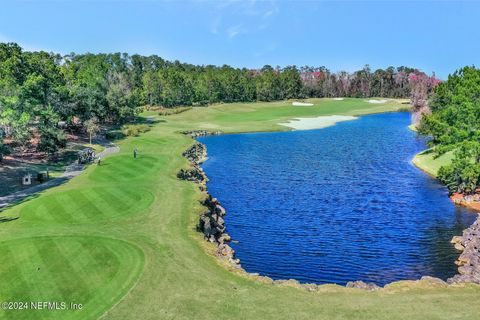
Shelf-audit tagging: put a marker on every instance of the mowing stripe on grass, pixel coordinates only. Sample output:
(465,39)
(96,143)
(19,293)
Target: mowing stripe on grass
(89,270)
(15,275)
(88,205)
(83,207)
(70,285)
(110,200)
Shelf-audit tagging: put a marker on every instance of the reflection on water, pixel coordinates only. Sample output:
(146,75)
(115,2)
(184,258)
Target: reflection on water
(337,204)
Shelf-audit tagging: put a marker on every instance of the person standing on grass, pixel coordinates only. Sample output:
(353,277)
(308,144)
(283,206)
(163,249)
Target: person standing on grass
(135,153)
(99,162)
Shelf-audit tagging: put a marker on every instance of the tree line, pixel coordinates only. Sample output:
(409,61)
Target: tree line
(43,94)
(454,125)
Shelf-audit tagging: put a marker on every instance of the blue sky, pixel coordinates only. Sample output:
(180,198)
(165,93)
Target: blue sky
(435,36)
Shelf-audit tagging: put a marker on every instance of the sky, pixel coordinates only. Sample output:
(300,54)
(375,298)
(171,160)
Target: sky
(435,36)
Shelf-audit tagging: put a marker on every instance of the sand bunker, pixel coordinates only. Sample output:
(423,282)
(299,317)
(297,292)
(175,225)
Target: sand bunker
(376,101)
(338,99)
(315,123)
(301,104)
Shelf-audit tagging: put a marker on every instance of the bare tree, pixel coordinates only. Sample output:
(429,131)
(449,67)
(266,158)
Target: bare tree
(92,127)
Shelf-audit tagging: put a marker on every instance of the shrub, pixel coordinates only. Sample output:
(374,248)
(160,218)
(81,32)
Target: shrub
(170,111)
(461,176)
(134,129)
(114,135)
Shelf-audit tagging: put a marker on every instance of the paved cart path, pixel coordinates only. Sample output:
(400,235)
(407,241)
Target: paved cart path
(71,171)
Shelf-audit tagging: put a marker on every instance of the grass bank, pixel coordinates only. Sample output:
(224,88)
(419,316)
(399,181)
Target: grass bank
(120,239)
(427,162)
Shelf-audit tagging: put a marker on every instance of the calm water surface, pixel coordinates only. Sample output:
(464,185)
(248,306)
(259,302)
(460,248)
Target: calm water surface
(336,204)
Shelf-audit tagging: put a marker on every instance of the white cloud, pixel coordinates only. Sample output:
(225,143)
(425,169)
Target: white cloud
(255,14)
(271,12)
(236,30)
(268,14)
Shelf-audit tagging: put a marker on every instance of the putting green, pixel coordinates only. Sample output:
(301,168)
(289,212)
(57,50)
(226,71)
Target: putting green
(93,271)
(87,205)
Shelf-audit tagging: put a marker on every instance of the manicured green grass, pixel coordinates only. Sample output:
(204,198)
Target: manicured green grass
(87,204)
(427,162)
(86,270)
(122,168)
(121,239)
(413,127)
(248,117)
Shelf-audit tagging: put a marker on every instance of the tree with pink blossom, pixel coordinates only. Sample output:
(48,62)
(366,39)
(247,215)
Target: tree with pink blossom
(421,86)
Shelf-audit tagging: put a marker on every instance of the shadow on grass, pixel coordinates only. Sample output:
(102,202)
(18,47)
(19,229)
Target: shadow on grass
(428,151)
(20,197)
(7,219)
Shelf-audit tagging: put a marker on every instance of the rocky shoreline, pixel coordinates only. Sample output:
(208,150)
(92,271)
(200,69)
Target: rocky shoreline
(211,222)
(196,154)
(212,225)
(469,261)
(468,243)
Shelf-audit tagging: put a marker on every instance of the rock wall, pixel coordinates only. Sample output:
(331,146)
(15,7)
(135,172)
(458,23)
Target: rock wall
(201,133)
(196,154)
(211,222)
(469,261)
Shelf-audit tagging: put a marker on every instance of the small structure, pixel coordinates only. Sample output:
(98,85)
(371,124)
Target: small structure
(42,176)
(27,179)
(86,155)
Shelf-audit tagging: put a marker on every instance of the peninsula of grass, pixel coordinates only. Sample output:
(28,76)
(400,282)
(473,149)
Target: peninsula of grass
(120,239)
(429,163)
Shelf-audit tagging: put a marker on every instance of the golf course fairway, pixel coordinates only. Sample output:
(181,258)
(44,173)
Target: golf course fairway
(120,240)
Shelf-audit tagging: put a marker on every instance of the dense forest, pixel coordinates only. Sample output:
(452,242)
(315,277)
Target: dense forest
(454,126)
(43,94)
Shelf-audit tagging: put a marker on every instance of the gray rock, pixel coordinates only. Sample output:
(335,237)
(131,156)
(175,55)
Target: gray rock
(211,222)
(433,280)
(469,261)
(362,285)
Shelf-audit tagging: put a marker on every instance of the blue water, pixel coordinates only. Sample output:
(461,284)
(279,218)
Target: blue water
(337,204)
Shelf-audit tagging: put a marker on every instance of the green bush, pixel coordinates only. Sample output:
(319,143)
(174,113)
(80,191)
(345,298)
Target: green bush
(114,135)
(461,176)
(134,129)
(171,111)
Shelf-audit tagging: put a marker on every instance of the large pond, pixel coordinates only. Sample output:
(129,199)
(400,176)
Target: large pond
(337,204)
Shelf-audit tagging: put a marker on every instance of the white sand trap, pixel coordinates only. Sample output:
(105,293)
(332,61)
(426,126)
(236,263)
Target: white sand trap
(315,123)
(338,99)
(301,104)
(376,101)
